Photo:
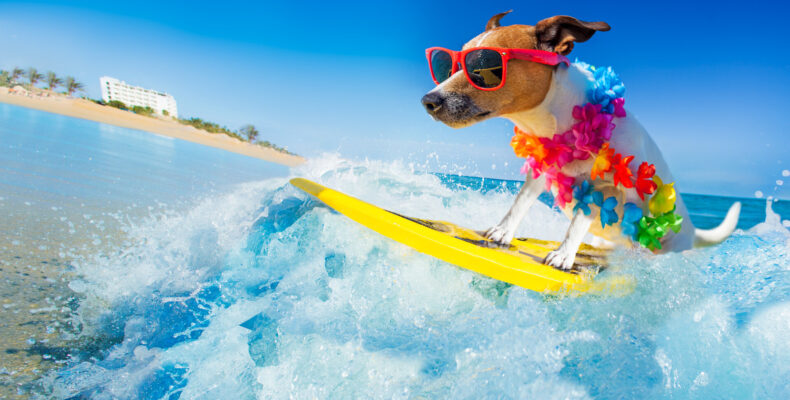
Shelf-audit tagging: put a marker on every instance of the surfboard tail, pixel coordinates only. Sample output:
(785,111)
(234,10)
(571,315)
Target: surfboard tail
(709,237)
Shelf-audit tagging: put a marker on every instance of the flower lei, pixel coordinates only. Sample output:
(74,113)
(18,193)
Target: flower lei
(589,138)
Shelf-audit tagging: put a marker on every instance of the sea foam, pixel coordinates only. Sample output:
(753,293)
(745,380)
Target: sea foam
(267,293)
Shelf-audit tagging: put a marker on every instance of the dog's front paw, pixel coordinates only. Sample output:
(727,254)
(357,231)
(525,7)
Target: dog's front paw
(499,235)
(560,258)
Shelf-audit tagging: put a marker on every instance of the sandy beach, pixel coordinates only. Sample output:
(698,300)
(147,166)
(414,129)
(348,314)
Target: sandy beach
(80,108)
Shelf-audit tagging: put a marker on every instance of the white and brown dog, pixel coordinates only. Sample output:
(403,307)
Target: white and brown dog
(539,99)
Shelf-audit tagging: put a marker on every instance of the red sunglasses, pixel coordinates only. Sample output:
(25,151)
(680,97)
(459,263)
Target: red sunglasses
(484,67)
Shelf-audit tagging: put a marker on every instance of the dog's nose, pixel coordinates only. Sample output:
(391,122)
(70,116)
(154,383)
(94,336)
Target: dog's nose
(433,102)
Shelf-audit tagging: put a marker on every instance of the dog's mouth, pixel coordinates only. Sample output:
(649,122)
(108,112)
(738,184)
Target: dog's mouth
(454,109)
(466,121)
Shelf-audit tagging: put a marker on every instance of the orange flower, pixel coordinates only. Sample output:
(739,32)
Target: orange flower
(525,145)
(603,162)
(622,174)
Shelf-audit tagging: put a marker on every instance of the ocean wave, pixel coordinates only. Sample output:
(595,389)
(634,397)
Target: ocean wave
(266,293)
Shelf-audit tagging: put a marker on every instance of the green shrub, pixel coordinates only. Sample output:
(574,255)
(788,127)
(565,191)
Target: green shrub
(5,78)
(273,146)
(249,131)
(117,104)
(148,111)
(213,127)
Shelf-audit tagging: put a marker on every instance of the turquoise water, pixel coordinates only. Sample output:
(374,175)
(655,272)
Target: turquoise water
(64,159)
(706,211)
(259,291)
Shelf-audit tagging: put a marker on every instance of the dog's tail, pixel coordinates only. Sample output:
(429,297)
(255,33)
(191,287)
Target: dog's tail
(708,237)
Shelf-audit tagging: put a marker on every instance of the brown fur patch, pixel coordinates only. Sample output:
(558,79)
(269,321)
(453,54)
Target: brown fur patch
(526,83)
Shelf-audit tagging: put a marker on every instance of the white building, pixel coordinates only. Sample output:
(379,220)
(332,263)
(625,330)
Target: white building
(113,89)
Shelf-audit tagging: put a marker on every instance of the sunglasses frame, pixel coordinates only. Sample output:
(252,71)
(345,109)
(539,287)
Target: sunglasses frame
(459,57)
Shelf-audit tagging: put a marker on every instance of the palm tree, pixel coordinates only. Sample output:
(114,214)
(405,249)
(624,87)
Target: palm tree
(53,81)
(72,85)
(5,78)
(33,76)
(249,131)
(16,73)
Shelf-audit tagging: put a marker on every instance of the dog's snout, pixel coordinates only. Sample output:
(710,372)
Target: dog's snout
(454,109)
(432,102)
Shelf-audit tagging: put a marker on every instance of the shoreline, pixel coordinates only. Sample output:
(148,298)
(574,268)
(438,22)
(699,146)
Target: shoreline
(84,109)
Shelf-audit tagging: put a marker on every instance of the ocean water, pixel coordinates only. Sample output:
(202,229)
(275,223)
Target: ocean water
(257,291)
(58,159)
(265,293)
(70,189)
(706,211)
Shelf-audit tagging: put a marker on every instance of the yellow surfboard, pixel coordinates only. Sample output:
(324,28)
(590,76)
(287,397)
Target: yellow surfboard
(519,264)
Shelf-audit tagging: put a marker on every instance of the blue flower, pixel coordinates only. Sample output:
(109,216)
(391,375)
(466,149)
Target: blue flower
(583,194)
(608,215)
(606,87)
(584,65)
(631,216)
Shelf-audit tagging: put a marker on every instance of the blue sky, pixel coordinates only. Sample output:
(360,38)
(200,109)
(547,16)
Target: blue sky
(709,80)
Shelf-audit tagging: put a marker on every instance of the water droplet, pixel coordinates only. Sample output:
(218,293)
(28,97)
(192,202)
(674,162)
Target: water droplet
(702,379)
(786,173)
(758,194)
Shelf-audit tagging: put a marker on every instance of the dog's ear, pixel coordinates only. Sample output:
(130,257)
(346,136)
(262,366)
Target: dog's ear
(558,33)
(494,21)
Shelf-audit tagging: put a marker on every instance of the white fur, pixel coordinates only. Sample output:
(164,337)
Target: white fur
(504,232)
(553,115)
(716,235)
(564,256)
(481,39)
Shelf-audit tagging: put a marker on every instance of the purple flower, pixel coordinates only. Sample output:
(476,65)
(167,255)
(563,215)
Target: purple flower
(592,130)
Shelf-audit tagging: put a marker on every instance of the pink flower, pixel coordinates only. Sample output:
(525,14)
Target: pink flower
(532,165)
(584,139)
(586,112)
(570,138)
(592,130)
(563,183)
(559,152)
(619,109)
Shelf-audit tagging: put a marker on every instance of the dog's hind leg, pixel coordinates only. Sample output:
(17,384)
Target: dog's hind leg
(503,232)
(565,255)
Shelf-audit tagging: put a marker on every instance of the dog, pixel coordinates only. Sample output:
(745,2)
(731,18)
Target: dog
(539,99)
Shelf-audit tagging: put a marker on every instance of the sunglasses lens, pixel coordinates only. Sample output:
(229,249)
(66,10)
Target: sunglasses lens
(484,68)
(442,65)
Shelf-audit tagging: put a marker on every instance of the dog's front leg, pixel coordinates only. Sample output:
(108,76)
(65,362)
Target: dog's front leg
(565,255)
(504,232)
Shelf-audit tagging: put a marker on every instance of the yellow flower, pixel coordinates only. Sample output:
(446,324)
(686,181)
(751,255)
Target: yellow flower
(663,200)
(603,162)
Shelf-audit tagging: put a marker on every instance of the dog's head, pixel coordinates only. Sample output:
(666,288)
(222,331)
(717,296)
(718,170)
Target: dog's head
(458,104)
